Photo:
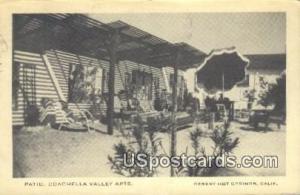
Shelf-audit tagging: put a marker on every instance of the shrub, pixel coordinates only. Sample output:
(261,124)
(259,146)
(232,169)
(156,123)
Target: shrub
(275,94)
(223,145)
(141,140)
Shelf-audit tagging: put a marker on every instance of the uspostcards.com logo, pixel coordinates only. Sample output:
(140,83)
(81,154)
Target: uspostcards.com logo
(143,160)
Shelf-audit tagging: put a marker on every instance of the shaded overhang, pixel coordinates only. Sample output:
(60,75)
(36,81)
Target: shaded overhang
(83,35)
(272,63)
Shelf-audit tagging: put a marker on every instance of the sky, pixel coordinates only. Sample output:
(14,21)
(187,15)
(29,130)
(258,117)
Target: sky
(250,33)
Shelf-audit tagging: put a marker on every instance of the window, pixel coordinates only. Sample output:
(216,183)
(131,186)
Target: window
(84,83)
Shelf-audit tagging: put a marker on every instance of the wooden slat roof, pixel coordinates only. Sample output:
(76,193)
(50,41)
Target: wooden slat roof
(84,35)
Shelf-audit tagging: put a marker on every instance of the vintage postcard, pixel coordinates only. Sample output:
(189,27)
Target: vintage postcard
(103,97)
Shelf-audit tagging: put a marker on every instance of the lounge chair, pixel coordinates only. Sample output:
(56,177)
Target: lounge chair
(47,112)
(91,122)
(71,120)
(146,108)
(183,119)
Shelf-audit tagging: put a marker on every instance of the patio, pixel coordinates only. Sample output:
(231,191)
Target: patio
(44,152)
(115,71)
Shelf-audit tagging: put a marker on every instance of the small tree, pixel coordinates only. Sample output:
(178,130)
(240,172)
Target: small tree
(142,140)
(223,145)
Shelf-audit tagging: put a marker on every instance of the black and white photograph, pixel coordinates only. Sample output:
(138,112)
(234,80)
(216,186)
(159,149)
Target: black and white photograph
(195,94)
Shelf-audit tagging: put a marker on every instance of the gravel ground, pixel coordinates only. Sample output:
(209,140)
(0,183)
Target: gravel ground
(44,152)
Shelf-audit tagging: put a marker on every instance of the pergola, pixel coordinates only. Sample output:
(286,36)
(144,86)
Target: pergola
(113,41)
(80,34)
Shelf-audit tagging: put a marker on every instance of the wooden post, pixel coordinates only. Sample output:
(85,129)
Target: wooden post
(112,49)
(174,110)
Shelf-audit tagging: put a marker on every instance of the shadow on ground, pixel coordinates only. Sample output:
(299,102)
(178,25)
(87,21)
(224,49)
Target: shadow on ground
(258,129)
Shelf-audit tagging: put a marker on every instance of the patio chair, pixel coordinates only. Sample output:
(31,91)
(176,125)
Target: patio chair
(46,112)
(120,114)
(146,108)
(70,120)
(91,122)
(124,110)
